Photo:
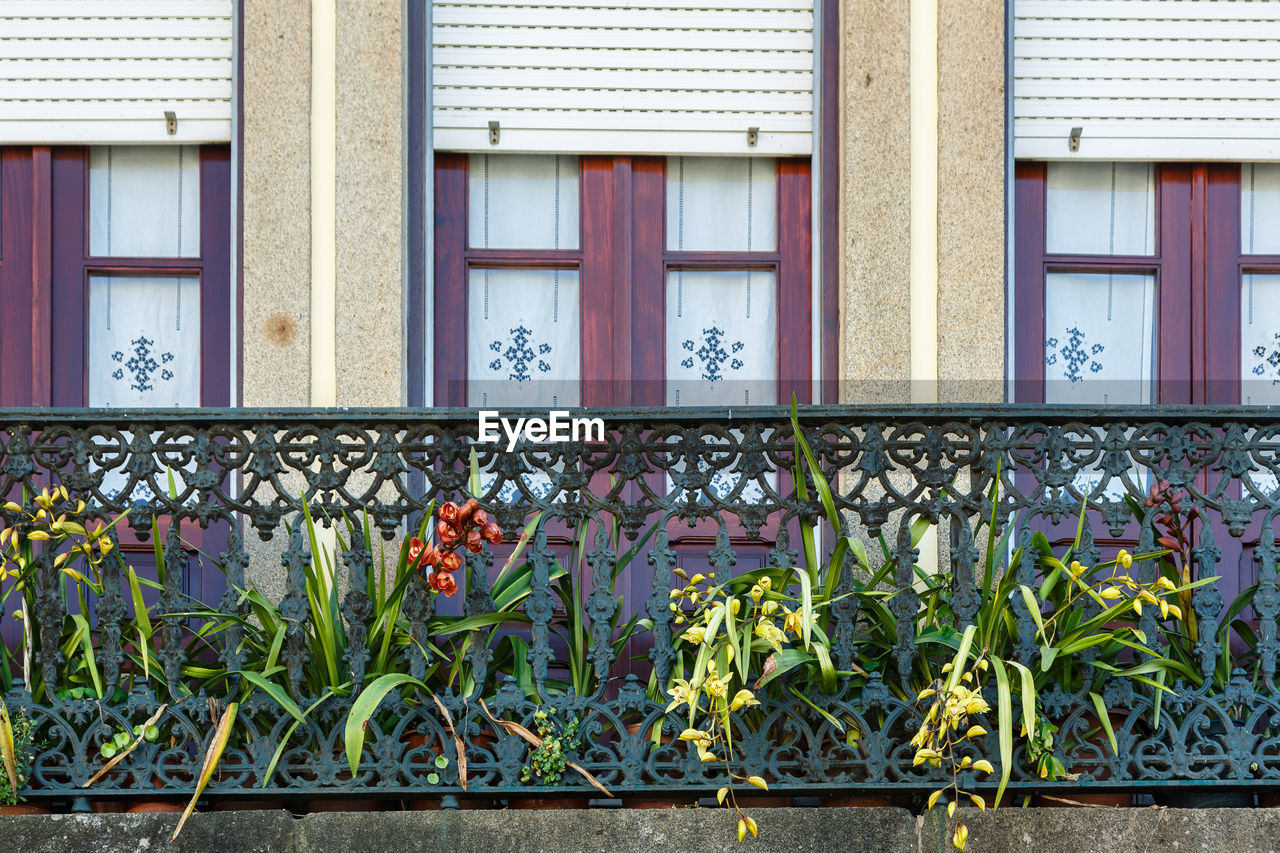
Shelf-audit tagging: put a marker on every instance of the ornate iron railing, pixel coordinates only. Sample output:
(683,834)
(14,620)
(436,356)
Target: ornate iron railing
(716,487)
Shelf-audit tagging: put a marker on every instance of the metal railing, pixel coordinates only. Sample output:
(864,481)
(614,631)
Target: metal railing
(683,487)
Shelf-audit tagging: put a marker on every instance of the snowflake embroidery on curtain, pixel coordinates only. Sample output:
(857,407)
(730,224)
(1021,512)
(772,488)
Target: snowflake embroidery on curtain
(520,355)
(1076,353)
(1268,362)
(142,364)
(712,354)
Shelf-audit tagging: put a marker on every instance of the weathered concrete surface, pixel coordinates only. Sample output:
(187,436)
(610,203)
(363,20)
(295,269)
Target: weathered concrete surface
(829,830)
(1116,830)
(593,830)
(224,832)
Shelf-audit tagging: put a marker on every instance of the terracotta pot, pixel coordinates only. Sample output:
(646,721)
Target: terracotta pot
(22,809)
(238,805)
(140,806)
(649,801)
(855,800)
(106,807)
(345,804)
(549,803)
(155,807)
(432,804)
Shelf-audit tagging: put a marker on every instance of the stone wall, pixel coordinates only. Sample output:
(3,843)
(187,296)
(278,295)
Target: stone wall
(829,830)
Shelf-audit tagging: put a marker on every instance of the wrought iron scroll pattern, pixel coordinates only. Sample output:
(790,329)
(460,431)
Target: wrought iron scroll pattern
(251,470)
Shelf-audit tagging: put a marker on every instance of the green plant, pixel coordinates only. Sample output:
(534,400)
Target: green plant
(548,760)
(1173,526)
(53,534)
(17,751)
(948,732)
(122,739)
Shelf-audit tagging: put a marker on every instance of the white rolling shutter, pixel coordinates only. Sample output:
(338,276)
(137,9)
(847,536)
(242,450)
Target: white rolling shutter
(1147,79)
(623,76)
(106,71)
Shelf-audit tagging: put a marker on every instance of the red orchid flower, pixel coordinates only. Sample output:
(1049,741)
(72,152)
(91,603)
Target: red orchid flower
(450,561)
(447,532)
(492,533)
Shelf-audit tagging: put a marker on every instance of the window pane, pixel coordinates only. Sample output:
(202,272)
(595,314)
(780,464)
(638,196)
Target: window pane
(1100,209)
(144,341)
(523,338)
(722,338)
(523,201)
(144,201)
(1260,340)
(1099,338)
(722,204)
(1260,208)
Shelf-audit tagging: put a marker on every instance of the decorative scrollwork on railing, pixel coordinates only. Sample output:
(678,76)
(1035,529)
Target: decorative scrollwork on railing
(703,490)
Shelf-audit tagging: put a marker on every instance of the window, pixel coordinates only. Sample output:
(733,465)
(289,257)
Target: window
(115,263)
(1129,281)
(1260,278)
(597,281)
(1142,283)
(141,275)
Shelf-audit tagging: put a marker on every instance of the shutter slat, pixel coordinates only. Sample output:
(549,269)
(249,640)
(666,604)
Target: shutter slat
(115,69)
(523,6)
(1136,30)
(477,59)
(1032,68)
(627,19)
(95,28)
(605,100)
(1194,90)
(85,71)
(704,40)
(113,9)
(27,91)
(646,79)
(1182,10)
(616,76)
(1162,79)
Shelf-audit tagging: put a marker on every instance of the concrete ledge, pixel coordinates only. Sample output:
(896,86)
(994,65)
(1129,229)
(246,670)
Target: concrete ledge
(829,830)
(225,832)
(1121,830)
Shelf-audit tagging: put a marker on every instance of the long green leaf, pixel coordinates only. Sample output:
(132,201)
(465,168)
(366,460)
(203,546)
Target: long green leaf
(1103,718)
(365,706)
(1004,713)
(86,643)
(961,658)
(275,691)
(1028,698)
(143,621)
(284,741)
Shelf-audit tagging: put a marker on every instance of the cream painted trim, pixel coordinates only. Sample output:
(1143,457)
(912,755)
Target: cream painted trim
(924,222)
(924,200)
(324,203)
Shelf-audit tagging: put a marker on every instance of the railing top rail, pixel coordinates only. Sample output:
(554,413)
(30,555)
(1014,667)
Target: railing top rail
(924,413)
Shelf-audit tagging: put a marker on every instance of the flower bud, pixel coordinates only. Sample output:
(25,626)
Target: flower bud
(474,542)
(466,510)
(491,533)
(479,518)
